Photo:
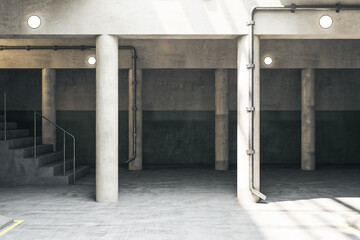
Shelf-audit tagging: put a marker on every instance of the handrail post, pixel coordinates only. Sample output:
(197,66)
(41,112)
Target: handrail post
(64,155)
(34,135)
(74,160)
(5,137)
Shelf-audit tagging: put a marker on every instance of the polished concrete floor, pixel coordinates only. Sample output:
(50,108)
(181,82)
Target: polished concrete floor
(190,204)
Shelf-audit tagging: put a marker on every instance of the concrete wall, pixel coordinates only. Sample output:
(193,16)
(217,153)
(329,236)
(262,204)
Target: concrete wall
(180,54)
(179,113)
(176,18)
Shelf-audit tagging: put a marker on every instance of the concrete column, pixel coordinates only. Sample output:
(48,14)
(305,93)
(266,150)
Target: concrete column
(137,163)
(244,173)
(48,106)
(221,120)
(308,119)
(107,118)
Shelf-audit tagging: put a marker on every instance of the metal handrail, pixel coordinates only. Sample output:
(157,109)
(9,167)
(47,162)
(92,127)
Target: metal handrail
(48,120)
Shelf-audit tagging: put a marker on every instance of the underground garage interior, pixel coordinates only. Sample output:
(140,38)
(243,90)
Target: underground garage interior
(251,133)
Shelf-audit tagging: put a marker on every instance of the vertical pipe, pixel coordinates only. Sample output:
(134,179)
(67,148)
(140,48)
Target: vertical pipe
(74,160)
(48,106)
(64,153)
(107,118)
(136,164)
(308,119)
(221,120)
(5,137)
(34,134)
(131,113)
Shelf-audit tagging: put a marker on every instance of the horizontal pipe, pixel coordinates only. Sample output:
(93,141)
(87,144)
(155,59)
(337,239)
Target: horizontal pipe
(56,47)
(82,48)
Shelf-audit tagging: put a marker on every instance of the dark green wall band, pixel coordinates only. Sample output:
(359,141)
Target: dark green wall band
(187,137)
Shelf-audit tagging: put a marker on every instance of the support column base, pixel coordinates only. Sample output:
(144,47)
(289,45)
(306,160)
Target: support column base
(221,165)
(245,196)
(134,167)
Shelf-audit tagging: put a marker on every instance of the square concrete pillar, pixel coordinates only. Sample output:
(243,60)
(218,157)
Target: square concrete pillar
(49,106)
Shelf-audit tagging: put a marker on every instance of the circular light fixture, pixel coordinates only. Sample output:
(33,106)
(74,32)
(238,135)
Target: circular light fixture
(268,60)
(92,60)
(34,21)
(325,21)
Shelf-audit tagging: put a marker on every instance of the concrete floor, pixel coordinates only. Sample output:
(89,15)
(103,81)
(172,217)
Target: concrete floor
(190,204)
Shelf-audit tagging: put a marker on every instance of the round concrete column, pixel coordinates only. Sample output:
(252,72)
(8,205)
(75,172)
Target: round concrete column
(308,119)
(107,121)
(48,106)
(221,120)
(137,163)
(246,174)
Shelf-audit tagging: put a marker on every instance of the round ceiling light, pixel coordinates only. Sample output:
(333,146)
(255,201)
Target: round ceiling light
(92,60)
(268,60)
(34,21)
(325,21)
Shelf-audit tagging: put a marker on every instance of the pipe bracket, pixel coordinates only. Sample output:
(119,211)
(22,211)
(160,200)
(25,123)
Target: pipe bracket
(338,7)
(250,23)
(250,65)
(293,8)
(250,109)
(250,152)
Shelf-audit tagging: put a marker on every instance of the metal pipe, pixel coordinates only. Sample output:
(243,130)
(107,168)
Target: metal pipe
(55,47)
(89,47)
(134,56)
(34,135)
(251,24)
(64,154)
(5,137)
(74,161)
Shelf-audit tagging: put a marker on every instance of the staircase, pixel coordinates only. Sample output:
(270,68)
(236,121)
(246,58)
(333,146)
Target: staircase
(19,167)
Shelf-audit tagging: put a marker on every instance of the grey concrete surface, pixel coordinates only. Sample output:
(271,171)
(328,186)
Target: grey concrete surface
(190,204)
(311,53)
(5,221)
(107,118)
(19,167)
(221,119)
(178,19)
(308,119)
(354,222)
(49,106)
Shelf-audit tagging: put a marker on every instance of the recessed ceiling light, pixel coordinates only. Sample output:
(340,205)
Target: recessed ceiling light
(268,60)
(34,21)
(325,21)
(92,60)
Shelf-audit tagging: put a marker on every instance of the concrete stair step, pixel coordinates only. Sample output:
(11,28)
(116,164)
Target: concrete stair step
(23,142)
(56,168)
(9,125)
(81,171)
(48,158)
(40,149)
(5,222)
(12,134)
(64,180)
